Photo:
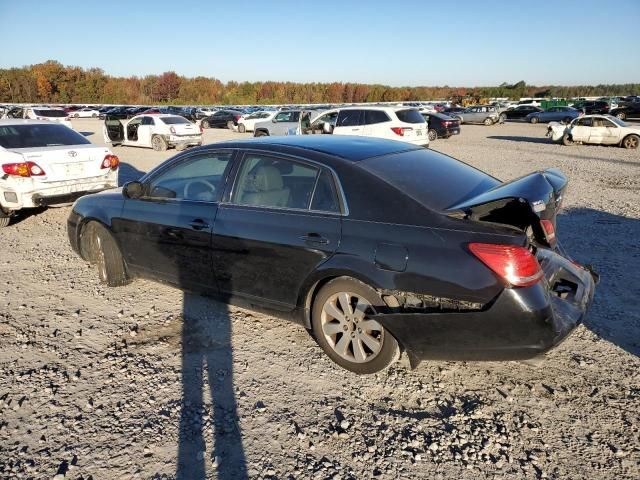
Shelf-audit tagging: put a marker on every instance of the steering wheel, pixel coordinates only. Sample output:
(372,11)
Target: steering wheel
(207,183)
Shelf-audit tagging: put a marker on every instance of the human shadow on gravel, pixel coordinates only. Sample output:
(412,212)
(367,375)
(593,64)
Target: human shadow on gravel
(611,244)
(128,173)
(207,363)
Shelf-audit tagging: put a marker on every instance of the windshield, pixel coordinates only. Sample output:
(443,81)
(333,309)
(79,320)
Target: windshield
(33,136)
(618,122)
(431,178)
(173,120)
(41,112)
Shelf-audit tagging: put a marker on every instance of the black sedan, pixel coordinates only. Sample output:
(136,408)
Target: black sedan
(375,246)
(441,125)
(222,119)
(520,112)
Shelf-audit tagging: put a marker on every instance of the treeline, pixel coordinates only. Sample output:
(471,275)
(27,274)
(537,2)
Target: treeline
(52,82)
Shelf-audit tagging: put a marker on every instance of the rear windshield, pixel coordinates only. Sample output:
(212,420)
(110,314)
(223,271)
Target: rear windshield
(49,113)
(174,120)
(33,136)
(431,178)
(410,116)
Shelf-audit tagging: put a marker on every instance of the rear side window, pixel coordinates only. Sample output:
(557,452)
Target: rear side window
(33,136)
(174,120)
(147,121)
(349,118)
(375,116)
(410,116)
(325,197)
(49,113)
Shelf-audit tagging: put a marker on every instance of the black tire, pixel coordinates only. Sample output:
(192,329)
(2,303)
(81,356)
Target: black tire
(93,115)
(230,125)
(101,249)
(488,122)
(261,133)
(432,134)
(621,115)
(204,124)
(566,140)
(75,115)
(158,143)
(4,219)
(388,349)
(241,128)
(534,120)
(631,142)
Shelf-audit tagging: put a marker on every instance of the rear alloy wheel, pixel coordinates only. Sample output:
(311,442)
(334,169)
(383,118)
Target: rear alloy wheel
(261,133)
(241,128)
(230,125)
(4,219)
(488,122)
(534,120)
(158,143)
(343,328)
(621,115)
(432,135)
(204,124)
(93,115)
(631,141)
(566,140)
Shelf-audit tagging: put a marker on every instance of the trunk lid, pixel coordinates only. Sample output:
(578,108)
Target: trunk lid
(528,203)
(186,129)
(66,163)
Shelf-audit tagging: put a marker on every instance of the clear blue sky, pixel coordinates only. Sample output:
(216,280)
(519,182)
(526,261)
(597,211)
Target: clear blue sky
(422,42)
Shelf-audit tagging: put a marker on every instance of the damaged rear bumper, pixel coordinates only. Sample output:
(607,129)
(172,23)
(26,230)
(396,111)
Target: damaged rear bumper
(520,323)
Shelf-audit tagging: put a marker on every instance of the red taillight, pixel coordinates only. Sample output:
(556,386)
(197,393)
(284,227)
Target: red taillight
(25,169)
(237,117)
(172,130)
(400,130)
(515,265)
(201,129)
(110,161)
(549,230)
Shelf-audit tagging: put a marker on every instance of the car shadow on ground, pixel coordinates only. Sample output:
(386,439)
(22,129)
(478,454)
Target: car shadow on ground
(210,438)
(511,138)
(610,243)
(128,173)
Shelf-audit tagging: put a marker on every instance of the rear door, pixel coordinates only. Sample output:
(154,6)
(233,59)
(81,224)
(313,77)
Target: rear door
(580,131)
(349,122)
(376,123)
(166,234)
(281,222)
(146,130)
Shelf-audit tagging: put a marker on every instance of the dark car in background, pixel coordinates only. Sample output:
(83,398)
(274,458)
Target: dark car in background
(629,111)
(591,108)
(120,113)
(554,114)
(441,125)
(222,119)
(371,244)
(519,112)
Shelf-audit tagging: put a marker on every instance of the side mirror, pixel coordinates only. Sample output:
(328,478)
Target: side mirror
(133,190)
(274,120)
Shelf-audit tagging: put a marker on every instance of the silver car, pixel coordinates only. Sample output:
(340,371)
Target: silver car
(485,114)
(283,123)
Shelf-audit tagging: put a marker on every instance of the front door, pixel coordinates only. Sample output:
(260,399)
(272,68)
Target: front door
(272,234)
(166,234)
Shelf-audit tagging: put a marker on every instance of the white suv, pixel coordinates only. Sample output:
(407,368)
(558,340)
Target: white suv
(394,123)
(49,114)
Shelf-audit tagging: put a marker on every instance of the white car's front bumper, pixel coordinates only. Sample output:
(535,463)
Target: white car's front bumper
(17,193)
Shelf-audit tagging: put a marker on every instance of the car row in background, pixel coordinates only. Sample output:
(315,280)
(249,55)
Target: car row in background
(56,115)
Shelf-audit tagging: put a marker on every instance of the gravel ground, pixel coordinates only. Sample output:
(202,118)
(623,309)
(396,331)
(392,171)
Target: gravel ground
(144,381)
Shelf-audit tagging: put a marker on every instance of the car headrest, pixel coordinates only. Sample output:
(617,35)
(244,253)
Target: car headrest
(265,179)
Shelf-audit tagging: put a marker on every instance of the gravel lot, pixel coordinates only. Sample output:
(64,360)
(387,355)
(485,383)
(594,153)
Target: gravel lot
(144,381)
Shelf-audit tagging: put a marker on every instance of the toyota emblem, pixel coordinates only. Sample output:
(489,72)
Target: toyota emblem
(73,153)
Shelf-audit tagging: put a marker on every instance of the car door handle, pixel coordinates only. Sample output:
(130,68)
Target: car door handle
(315,238)
(198,224)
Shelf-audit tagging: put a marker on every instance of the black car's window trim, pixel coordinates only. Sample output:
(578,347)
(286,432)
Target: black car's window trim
(240,159)
(147,179)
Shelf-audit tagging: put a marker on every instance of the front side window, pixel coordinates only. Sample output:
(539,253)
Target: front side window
(286,117)
(199,178)
(273,182)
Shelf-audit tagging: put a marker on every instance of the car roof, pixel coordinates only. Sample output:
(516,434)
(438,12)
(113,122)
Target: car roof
(349,148)
(20,121)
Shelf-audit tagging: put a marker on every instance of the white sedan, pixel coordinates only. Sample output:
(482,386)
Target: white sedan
(157,131)
(85,113)
(247,122)
(597,130)
(45,163)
